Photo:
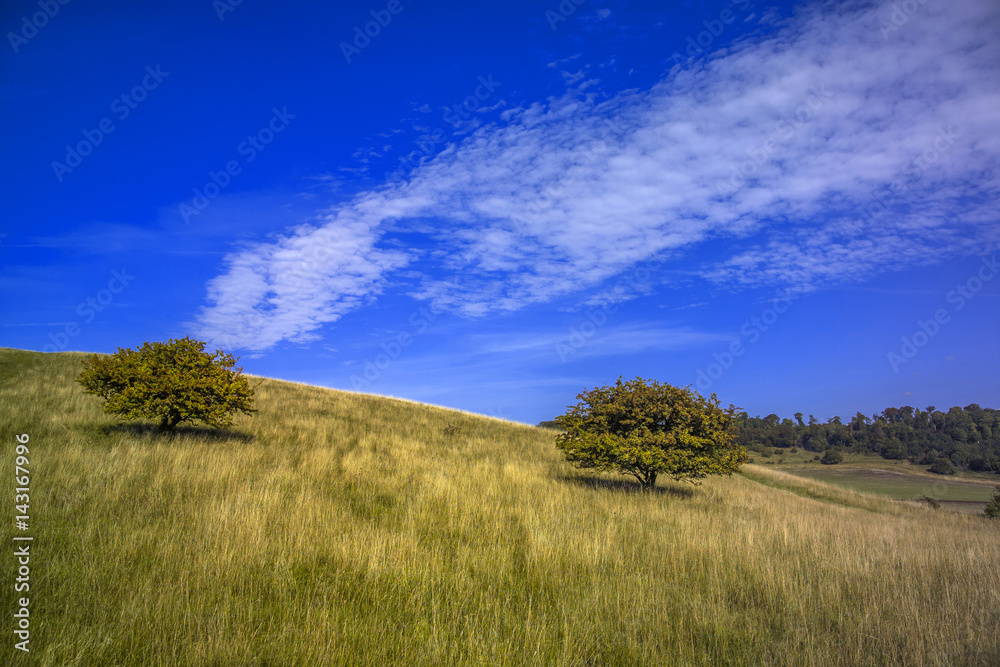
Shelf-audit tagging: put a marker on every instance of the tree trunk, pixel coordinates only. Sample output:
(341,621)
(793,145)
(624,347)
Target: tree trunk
(169,421)
(647,479)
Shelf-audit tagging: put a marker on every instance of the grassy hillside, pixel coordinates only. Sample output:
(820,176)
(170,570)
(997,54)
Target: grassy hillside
(334,528)
(964,491)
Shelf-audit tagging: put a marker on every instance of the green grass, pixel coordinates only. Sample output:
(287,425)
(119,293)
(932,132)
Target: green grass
(334,528)
(900,480)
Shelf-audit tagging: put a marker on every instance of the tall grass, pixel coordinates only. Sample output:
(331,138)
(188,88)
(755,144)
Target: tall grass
(334,528)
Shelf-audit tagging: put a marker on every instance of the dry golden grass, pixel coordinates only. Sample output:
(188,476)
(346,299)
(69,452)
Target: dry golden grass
(334,528)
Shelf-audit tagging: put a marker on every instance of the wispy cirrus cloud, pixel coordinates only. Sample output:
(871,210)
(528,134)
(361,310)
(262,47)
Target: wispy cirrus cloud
(629,338)
(781,143)
(286,289)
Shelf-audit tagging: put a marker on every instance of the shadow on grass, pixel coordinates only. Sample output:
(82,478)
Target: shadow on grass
(150,430)
(627,486)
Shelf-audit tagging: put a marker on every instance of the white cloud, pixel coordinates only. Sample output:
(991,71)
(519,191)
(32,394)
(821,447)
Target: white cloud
(286,289)
(628,338)
(783,143)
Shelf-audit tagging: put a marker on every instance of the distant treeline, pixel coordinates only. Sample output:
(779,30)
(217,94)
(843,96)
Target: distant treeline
(969,437)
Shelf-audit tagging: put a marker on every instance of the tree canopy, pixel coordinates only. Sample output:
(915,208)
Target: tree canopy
(646,428)
(169,382)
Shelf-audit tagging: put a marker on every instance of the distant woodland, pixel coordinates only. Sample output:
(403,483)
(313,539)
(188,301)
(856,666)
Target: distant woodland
(967,438)
(963,438)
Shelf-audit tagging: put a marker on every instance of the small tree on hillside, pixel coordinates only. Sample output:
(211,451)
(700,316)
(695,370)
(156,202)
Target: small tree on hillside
(170,382)
(831,457)
(942,466)
(993,507)
(644,429)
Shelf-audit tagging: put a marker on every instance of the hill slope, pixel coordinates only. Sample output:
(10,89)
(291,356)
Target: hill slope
(336,528)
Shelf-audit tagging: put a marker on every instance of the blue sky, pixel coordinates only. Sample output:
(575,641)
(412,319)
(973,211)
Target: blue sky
(492,206)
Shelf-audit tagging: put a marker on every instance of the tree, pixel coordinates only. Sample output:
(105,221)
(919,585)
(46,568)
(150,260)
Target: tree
(645,428)
(993,507)
(171,382)
(942,466)
(969,437)
(831,457)
(894,450)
